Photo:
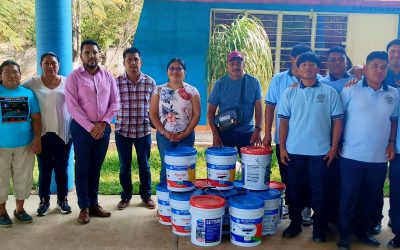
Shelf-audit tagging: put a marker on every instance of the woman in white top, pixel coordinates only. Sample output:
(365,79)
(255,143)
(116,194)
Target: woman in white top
(174,111)
(56,143)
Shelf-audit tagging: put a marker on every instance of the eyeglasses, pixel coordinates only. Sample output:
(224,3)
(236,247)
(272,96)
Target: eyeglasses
(172,68)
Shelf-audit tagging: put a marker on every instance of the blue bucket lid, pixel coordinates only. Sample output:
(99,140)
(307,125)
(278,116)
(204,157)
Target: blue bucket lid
(162,186)
(183,196)
(246,202)
(181,151)
(222,193)
(269,194)
(221,151)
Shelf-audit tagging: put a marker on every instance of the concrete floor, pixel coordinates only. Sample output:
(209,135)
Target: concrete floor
(134,228)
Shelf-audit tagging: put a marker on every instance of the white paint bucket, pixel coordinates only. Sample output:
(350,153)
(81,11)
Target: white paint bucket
(221,164)
(181,218)
(246,220)
(280,186)
(272,201)
(164,208)
(207,212)
(226,194)
(181,168)
(256,165)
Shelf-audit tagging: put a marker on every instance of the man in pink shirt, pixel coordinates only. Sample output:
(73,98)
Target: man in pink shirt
(92,100)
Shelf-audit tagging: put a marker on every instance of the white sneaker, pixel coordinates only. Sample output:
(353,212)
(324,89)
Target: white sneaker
(306,214)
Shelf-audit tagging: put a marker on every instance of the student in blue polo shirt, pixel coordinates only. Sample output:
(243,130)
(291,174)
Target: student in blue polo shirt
(393,50)
(309,114)
(336,64)
(371,111)
(279,83)
(393,79)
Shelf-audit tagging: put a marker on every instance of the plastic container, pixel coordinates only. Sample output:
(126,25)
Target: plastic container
(281,188)
(181,168)
(164,208)
(272,201)
(201,184)
(239,187)
(181,218)
(256,165)
(246,220)
(221,163)
(207,212)
(226,194)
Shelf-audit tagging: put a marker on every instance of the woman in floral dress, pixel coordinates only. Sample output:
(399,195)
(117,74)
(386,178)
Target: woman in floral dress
(174,111)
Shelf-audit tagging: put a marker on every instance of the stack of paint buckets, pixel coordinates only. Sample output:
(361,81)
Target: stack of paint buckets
(256,165)
(180,163)
(246,217)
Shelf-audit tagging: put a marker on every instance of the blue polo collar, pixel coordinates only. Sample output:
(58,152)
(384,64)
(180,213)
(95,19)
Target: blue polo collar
(346,75)
(316,84)
(290,72)
(384,84)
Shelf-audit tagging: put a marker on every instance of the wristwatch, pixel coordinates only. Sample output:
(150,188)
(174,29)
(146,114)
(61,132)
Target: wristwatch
(258,127)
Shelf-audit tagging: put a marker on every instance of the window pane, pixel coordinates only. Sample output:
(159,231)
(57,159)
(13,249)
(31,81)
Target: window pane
(296,29)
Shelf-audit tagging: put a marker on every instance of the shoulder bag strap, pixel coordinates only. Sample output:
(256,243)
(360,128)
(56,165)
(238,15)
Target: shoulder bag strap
(242,86)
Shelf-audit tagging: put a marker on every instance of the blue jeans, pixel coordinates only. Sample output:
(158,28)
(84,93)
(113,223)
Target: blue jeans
(360,195)
(163,144)
(333,192)
(394,178)
(89,157)
(124,148)
(307,175)
(55,155)
(232,138)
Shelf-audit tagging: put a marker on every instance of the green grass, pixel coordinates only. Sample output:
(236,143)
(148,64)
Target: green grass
(109,178)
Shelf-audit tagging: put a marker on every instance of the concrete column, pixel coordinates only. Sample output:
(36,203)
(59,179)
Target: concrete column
(54,32)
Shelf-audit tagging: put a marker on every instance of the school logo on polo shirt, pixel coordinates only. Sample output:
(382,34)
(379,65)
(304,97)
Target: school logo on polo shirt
(321,98)
(389,99)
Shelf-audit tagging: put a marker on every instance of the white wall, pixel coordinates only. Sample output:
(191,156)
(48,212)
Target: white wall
(369,32)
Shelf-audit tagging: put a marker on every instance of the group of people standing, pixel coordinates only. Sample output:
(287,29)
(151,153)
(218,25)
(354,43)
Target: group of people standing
(48,113)
(339,175)
(335,137)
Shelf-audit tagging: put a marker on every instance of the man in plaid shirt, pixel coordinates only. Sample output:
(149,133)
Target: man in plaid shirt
(133,127)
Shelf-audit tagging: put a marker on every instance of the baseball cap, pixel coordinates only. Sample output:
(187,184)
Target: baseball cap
(234,54)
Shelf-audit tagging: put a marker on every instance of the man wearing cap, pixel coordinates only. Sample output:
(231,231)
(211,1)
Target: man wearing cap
(239,93)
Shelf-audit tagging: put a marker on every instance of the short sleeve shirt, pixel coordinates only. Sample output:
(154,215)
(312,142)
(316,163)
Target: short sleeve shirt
(226,95)
(175,106)
(279,83)
(310,111)
(335,83)
(368,116)
(16,106)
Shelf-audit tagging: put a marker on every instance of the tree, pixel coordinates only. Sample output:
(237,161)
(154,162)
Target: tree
(17,23)
(109,22)
(248,36)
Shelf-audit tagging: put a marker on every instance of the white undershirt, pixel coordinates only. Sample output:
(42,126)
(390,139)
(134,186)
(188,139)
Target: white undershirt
(53,110)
